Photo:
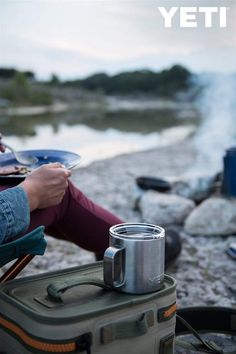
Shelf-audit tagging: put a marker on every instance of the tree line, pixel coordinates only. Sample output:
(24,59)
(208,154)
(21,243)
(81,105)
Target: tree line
(9,73)
(165,83)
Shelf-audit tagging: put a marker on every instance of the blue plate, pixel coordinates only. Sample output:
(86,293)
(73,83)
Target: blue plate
(69,159)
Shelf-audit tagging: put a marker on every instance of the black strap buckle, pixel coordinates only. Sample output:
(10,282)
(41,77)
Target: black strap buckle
(84,342)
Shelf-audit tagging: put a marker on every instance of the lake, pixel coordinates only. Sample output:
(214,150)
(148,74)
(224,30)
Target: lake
(124,126)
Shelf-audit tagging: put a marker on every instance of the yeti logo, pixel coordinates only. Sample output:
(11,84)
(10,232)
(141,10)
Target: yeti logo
(190,16)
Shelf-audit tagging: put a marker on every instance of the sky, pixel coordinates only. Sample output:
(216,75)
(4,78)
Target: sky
(77,38)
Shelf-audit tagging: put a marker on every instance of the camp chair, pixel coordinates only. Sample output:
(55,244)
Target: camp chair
(24,249)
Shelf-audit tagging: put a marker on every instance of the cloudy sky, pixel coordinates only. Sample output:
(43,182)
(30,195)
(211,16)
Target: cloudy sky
(80,37)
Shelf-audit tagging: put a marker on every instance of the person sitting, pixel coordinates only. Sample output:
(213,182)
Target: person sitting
(47,197)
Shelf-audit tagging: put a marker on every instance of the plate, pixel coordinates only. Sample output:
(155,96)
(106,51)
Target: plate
(69,159)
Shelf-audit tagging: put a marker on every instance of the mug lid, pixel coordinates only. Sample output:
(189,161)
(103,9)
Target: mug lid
(137,231)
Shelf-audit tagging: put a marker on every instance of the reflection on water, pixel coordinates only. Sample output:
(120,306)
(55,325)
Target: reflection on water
(137,121)
(96,135)
(96,145)
(146,121)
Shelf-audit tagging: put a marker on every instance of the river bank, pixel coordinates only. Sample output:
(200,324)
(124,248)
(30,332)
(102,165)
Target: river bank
(205,274)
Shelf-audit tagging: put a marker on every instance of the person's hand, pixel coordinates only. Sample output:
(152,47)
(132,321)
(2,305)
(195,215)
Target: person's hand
(2,147)
(46,185)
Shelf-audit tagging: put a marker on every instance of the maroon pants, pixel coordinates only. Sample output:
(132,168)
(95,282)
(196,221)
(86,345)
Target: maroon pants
(76,219)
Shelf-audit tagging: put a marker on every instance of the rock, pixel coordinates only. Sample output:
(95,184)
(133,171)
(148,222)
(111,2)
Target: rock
(214,216)
(156,184)
(173,246)
(195,188)
(164,209)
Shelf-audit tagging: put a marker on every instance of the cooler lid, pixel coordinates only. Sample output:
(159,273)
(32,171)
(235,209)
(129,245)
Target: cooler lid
(30,296)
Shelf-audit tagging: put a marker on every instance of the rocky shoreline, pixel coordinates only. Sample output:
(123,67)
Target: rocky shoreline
(205,273)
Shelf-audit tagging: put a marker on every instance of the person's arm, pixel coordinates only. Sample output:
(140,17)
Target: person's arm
(14,210)
(14,213)
(44,187)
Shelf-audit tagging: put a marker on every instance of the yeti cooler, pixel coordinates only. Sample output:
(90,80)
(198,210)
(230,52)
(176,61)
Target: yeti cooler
(71,311)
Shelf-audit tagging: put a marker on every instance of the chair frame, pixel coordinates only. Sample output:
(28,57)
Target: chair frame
(16,268)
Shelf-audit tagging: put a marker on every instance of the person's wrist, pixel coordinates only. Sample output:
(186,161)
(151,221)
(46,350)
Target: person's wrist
(31,193)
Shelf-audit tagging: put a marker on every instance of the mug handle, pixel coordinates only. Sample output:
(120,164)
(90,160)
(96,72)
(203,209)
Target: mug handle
(113,258)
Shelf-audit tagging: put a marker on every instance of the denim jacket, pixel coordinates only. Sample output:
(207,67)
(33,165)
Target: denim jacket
(14,213)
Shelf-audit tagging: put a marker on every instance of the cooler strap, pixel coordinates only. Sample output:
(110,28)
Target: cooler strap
(131,327)
(56,289)
(205,319)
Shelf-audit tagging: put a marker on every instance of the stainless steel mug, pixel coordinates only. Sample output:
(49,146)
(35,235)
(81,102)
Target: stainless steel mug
(134,262)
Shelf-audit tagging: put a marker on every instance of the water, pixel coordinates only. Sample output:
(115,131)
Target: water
(132,125)
(99,135)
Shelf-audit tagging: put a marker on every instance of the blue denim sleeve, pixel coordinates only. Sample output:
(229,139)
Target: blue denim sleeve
(14,213)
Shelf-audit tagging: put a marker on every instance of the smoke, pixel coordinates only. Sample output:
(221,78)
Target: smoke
(217,132)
